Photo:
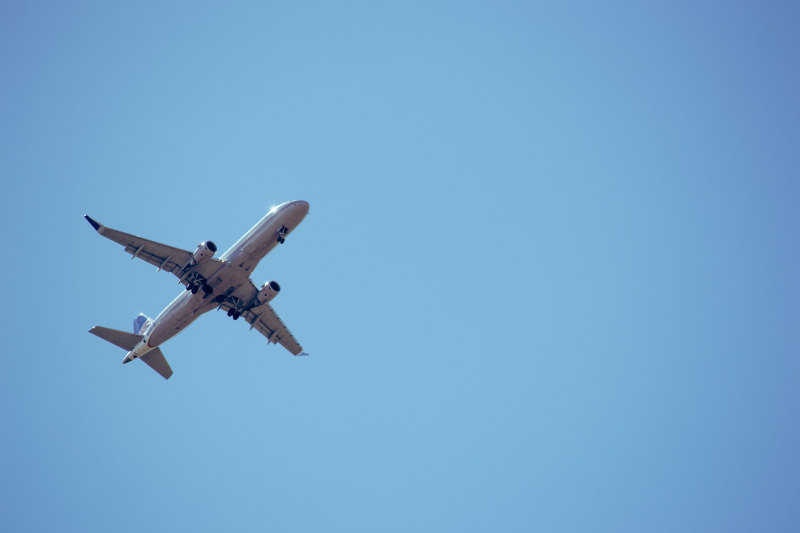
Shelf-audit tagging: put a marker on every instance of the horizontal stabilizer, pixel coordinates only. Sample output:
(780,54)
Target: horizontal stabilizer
(156,360)
(123,339)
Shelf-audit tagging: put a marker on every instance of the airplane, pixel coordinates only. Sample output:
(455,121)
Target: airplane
(222,283)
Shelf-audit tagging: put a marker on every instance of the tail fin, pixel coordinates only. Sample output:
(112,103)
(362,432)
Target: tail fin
(123,339)
(139,322)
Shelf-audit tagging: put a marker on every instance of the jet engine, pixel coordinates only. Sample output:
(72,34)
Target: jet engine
(204,251)
(268,291)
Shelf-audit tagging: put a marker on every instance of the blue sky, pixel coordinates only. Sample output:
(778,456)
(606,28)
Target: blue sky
(548,281)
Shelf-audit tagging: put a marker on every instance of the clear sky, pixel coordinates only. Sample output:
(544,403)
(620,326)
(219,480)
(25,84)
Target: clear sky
(549,280)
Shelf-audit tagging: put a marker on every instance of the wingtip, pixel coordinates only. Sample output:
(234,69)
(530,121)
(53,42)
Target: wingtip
(95,224)
(302,354)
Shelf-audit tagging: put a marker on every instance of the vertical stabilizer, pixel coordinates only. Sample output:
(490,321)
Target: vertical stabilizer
(138,322)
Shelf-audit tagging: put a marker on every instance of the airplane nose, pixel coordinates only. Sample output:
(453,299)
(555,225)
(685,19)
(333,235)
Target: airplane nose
(301,204)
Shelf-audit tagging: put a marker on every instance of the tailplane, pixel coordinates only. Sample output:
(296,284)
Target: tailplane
(127,341)
(156,360)
(123,339)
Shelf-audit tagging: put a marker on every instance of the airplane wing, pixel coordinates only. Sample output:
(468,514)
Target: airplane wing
(168,258)
(264,319)
(268,323)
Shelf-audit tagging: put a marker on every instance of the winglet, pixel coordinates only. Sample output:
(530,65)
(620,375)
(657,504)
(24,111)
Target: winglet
(304,354)
(95,224)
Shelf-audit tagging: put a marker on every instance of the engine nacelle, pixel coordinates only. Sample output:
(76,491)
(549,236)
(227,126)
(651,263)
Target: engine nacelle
(204,251)
(268,291)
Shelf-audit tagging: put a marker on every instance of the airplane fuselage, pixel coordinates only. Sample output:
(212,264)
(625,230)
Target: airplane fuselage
(238,263)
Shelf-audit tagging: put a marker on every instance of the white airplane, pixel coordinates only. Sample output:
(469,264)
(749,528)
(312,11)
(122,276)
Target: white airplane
(210,283)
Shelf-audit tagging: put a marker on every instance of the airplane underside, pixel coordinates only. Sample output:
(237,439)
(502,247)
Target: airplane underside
(204,278)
